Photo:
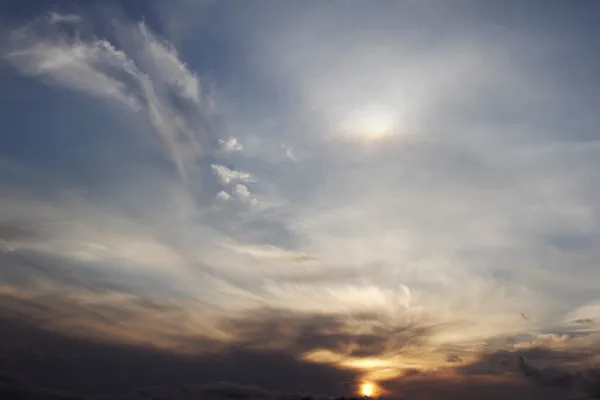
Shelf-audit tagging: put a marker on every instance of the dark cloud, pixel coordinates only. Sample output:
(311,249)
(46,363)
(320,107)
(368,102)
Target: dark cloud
(139,312)
(25,268)
(585,380)
(265,353)
(216,391)
(453,358)
(507,362)
(573,370)
(301,332)
(16,232)
(583,321)
(57,311)
(58,362)
(473,388)
(562,371)
(498,363)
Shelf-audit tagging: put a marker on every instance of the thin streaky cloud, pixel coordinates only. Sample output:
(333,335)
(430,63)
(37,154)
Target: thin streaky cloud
(97,67)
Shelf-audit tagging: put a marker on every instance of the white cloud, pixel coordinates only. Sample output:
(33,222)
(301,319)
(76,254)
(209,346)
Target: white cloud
(89,67)
(167,65)
(289,152)
(223,196)
(227,175)
(462,193)
(231,144)
(269,252)
(241,191)
(55,18)
(141,80)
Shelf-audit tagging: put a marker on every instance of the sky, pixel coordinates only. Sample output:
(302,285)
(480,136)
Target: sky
(262,199)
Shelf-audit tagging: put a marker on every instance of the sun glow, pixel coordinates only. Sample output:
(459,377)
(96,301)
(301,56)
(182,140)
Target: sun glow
(370,123)
(367,389)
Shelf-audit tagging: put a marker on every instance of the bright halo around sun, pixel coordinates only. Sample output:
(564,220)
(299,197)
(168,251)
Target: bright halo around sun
(370,123)
(367,389)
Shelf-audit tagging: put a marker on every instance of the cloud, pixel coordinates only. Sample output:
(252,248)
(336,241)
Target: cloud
(167,65)
(55,18)
(241,191)
(227,175)
(143,74)
(566,362)
(88,367)
(83,66)
(112,317)
(433,387)
(289,152)
(14,234)
(216,390)
(386,256)
(53,234)
(231,144)
(586,381)
(453,358)
(223,196)
(267,252)
(364,342)
(586,314)
(582,321)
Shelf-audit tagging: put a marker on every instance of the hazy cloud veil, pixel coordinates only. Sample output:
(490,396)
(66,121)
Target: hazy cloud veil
(397,193)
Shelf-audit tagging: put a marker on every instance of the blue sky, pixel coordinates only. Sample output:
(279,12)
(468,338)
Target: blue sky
(432,165)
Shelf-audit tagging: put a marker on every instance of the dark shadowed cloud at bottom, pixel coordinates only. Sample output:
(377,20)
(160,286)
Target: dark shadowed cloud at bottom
(46,365)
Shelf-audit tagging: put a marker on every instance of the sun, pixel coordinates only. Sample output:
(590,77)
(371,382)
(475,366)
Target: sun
(367,389)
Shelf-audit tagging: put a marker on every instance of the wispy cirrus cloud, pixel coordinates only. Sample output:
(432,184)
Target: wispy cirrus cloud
(143,73)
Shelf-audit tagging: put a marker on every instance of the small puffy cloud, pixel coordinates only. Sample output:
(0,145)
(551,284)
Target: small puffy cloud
(241,191)
(231,144)
(243,194)
(223,196)
(227,175)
